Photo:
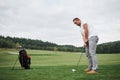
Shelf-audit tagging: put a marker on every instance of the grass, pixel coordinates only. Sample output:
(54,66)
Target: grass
(53,65)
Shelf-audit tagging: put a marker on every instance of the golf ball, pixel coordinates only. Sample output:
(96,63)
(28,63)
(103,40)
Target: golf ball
(73,70)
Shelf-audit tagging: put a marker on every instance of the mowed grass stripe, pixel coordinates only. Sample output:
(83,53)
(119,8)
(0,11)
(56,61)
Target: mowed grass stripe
(54,58)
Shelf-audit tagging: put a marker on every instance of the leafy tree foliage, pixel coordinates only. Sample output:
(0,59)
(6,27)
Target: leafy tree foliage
(110,47)
(12,42)
(9,42)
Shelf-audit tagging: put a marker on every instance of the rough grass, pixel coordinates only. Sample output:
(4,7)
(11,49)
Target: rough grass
(49,65)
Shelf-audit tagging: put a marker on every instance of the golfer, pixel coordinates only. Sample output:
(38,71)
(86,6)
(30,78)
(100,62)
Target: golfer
(90,39)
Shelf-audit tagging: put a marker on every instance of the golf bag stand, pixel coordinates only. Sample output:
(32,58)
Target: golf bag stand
(14,64)
(24,59)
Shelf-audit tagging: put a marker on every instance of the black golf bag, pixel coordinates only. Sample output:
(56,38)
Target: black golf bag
(24,59)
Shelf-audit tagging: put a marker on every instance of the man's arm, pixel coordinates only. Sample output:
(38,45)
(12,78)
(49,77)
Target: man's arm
(83,36)
(86,32)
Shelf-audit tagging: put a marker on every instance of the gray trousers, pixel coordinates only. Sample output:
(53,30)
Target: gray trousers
(91,53)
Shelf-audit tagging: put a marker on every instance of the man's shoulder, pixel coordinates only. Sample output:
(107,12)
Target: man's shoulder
(84,24)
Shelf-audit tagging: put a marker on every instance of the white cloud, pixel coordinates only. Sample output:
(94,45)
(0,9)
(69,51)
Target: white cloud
(52,20)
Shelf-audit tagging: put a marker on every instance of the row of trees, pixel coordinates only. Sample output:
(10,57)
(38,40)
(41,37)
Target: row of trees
(110,47)
(12,42)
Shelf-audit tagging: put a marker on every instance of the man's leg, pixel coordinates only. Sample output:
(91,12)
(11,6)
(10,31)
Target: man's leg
(89,58)
(92,50)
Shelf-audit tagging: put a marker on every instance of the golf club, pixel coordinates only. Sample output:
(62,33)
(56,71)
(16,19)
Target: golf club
(73,70)
(14,64)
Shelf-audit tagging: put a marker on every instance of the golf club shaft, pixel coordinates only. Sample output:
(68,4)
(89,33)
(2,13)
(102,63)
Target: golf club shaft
(79,60)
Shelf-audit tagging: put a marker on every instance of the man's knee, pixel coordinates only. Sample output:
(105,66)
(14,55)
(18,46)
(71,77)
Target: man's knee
(92,53)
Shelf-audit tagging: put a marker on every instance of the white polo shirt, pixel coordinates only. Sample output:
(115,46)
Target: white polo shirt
(91,30)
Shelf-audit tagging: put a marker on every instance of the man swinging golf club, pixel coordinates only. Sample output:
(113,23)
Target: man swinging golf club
(90,39)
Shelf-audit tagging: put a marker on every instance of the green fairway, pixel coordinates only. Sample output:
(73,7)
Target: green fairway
(53,65)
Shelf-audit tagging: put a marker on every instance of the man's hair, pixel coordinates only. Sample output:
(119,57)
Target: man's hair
(75,19)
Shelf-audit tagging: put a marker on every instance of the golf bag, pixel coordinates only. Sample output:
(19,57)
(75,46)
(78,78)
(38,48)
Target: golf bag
(24,59)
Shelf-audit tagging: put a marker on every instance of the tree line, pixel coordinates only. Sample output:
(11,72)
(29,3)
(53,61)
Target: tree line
(110,47)
(12,42)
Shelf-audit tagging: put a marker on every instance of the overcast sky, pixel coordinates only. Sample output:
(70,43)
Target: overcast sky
(51,20)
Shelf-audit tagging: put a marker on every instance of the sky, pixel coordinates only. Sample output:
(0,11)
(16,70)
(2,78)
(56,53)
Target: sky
(51,20)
